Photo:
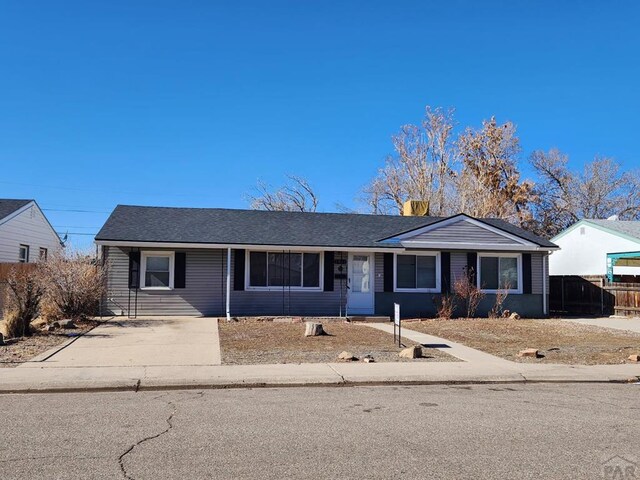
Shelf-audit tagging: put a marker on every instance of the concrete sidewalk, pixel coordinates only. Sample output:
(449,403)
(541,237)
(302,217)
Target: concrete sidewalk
(51,378)
(617,323)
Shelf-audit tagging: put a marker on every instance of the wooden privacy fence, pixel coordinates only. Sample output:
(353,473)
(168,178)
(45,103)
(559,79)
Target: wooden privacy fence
(592,295)
(5,271)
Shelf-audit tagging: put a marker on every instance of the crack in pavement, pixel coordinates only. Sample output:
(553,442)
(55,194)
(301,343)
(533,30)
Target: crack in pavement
(146,439)
(174,408)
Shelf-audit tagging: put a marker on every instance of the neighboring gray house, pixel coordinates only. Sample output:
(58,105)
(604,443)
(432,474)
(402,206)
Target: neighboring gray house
(197,261)
(25,233)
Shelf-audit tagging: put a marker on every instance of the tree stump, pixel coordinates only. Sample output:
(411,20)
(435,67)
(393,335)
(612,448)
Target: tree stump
(313,329)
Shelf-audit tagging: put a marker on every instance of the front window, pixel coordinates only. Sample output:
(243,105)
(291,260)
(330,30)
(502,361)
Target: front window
(417,272)
(278,269)
(157,270)
(43,254)
(23,254)
(500,272)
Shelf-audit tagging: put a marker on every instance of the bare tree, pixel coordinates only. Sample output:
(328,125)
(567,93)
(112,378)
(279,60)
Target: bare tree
(419,170)
(599,191)
(295,196)
(489,184)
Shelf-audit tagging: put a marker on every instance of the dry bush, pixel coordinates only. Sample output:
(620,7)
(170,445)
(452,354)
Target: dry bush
(498,311)
(467,293)
(22,299)
(74,284)
(445,306)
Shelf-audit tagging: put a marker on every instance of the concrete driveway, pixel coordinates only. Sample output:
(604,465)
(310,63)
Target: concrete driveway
(122,342)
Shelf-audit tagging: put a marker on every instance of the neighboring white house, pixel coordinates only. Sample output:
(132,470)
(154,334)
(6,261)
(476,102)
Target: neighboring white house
(25,233)
(597,247)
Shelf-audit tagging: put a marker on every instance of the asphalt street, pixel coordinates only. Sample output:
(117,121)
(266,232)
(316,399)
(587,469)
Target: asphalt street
(478,431)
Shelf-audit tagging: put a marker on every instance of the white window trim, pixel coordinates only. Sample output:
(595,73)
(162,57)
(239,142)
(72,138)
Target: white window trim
(503,255)
(27,249)
(417,290)
(247,273)
(143,267)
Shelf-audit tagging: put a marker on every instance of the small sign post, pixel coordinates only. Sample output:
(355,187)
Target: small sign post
(396,322)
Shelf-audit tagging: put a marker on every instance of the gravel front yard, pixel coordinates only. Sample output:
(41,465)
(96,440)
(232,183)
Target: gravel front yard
(249,342)
(19,350)
(558,341)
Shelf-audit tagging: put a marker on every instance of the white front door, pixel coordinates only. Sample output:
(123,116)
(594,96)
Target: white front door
(360,293)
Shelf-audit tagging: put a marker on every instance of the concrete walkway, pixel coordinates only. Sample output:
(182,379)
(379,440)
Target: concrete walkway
(627,324)
(141,342)
(458,350)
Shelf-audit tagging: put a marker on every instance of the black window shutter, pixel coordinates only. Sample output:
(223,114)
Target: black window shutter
(388,272)
(180,270)
(472,267)
(134,269)
(328,271)
(526,273)
(445,272)
(238,270)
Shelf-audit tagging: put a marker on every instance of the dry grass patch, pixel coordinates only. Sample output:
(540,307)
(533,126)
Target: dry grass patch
(559,341)
(22,349)
(248,342)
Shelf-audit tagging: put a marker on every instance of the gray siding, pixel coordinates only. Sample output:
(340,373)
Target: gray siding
(294,302)
(463,232)
(458,262)
(27,228)
(205,291)
(206,282)
(378,283)
(203,295)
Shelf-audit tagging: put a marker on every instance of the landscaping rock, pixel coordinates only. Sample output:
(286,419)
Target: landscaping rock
(411,352)
(51,328)
(528,352)
(67,324)
(634,358)
(347,357)
(55,324)
(313,329)
(368,359)
(514,316)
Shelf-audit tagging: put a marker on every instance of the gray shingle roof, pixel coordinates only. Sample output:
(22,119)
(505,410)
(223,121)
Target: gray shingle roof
(627,227)
(255,227)
(10,205)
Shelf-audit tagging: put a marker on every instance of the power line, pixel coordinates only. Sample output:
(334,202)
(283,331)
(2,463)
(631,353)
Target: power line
(72,210)
(94,190)
(76,233)
(72,226)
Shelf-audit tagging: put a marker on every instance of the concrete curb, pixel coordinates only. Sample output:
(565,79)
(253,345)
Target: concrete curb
(138,386)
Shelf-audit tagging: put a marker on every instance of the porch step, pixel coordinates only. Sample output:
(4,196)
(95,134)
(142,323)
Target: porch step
(369,318)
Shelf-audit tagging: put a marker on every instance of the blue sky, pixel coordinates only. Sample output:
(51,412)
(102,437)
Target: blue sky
(190,103)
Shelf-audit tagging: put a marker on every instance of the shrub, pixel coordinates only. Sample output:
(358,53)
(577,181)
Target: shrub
(445,306)
(22,299)
(498,311)
(74,284)
(467,293)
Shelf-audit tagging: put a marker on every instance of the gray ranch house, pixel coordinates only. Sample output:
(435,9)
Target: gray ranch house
(210,261)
